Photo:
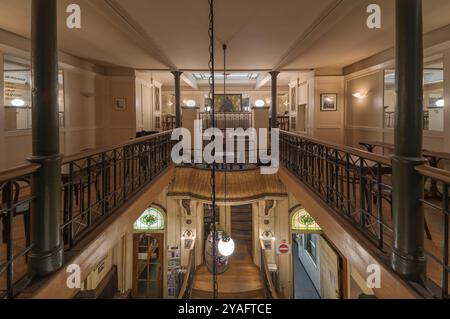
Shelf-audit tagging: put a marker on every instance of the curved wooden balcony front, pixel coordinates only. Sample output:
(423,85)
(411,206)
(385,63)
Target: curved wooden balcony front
(231,186)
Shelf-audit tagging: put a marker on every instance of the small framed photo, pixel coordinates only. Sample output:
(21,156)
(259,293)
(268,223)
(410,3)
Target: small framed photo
(328,102)
(120,104)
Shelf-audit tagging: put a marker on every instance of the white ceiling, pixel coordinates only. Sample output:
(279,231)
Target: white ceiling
(261,34)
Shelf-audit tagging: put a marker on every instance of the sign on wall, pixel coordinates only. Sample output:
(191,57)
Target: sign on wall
(284,248)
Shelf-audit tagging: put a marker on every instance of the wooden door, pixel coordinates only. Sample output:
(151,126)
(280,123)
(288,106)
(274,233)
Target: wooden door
(148,266)
(330,272)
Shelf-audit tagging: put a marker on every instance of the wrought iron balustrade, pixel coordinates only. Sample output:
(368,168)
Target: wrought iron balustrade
(94,185)
(16,198)
(357,185)
(98,182)
(353,183)
(438,253)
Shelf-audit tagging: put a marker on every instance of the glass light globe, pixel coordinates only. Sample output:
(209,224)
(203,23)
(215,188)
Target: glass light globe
(260,103)
(226,248)
(191,103)
(18,102)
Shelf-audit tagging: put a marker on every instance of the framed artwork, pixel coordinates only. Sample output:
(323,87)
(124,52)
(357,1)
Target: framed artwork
(328,102)
(228,103)
(120,104)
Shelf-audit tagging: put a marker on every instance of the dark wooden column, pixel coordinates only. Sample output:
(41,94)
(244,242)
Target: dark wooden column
(47,253)
(408,258)
(274,116)
(177,75)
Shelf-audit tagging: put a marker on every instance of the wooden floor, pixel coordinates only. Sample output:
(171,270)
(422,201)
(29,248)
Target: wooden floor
(241,281)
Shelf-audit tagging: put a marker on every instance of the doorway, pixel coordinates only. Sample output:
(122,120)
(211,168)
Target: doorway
(148,265)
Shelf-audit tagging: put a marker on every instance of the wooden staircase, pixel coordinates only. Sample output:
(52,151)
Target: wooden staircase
(241,225)
(241,281)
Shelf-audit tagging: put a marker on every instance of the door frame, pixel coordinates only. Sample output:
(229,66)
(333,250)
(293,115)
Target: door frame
(162,236)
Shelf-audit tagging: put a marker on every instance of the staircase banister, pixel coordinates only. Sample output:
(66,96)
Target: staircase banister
(190,272)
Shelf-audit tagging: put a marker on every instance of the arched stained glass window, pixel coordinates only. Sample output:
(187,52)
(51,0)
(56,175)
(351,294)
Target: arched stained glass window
(151,219)
(302,221)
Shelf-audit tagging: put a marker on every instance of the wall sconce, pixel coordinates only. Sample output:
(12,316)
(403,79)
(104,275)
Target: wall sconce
(268,239)
(267,235)
(188,234)
(360,95)
(188,237)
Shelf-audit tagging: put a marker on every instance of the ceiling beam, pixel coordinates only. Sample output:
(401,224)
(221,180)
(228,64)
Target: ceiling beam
(190,80)
(119,17)
(329,17)
(262,80)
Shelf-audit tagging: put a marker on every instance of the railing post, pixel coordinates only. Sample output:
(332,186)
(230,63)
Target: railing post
(408,258)
(47,252)
(177,75)
(8,234)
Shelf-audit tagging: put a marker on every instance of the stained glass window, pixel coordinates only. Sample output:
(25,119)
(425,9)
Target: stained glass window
(151,219)
(302,221)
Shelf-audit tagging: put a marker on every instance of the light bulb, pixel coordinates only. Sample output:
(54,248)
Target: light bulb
(440,103)
(226,248)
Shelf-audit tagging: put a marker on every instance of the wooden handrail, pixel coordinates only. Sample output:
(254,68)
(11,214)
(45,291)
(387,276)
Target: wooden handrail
(190,265)
(18,171)
(352,150)
(268,276)
(78,156)
(28,169)
(434,173)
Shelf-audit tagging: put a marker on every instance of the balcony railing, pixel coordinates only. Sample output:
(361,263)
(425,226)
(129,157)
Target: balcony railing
(357,185)
(95,184)
(438,254)
(16,198)
(227,120)
(389,120)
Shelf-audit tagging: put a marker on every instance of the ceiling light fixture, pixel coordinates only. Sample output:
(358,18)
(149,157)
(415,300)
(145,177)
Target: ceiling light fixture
(226,246)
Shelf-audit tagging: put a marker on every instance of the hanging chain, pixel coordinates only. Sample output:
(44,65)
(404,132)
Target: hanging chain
(224,47)
(213,121)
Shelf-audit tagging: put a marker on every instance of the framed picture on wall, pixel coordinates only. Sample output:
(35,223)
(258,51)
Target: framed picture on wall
(120,104)
(328,102)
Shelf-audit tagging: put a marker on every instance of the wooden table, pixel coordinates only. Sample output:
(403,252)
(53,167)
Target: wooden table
(434,158)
